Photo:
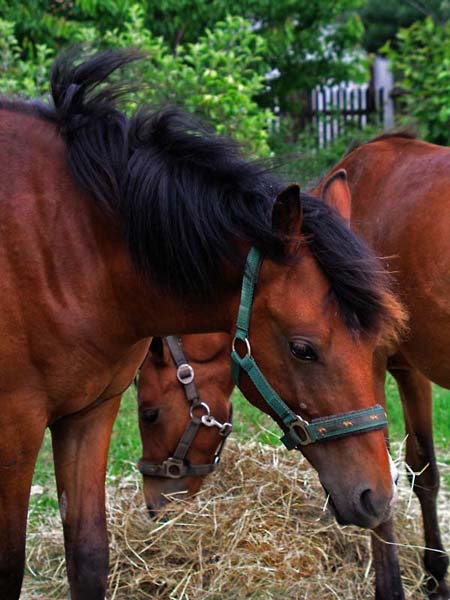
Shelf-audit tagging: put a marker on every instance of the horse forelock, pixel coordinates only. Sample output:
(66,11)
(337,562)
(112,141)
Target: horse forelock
(358,281)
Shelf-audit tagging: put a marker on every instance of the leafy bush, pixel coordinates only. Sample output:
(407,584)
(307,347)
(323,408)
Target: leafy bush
(306,42)
(421,64)
(382,19)
(18,76)
(218,77)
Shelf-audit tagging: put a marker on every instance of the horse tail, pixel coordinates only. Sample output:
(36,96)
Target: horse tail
(94,130)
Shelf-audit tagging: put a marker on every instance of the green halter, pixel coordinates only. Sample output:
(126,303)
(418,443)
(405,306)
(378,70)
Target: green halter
(298,432)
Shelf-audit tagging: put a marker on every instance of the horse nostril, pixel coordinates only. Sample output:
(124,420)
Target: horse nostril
(151,512)
(367,503)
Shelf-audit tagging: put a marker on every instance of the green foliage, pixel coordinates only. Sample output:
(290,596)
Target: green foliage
(313,45)
(305,163)
(421,64)
(217,77)
(56,22)
(307,41)
(19,76)
(382,19)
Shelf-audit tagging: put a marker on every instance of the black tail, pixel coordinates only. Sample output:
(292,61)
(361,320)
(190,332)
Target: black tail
(95,131)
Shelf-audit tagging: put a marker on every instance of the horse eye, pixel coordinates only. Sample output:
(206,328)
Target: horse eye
(149,415)
(303,351)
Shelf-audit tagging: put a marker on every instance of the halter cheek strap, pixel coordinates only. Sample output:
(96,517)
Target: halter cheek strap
(298,431)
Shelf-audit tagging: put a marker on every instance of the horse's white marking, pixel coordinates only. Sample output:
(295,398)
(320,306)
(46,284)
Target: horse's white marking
(63,506)
(394,476)
(393,469)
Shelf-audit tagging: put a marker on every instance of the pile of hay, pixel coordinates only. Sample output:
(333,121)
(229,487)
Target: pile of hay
(257,531)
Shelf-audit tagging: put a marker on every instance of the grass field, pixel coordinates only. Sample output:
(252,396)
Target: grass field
(248,423)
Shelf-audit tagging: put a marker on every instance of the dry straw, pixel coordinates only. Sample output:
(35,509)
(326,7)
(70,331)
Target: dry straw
(257,531)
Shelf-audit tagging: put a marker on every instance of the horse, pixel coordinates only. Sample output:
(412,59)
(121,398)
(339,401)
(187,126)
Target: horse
(179,377)
(115,229)
(399,190)
(393,206)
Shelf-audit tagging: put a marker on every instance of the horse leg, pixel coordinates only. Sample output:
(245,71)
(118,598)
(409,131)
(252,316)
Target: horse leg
(80,448)
(416,396)
(22,432)
(388,582)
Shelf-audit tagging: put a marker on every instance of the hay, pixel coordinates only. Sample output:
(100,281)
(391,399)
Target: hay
(257,531)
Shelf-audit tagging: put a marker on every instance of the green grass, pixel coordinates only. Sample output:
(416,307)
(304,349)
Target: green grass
(249,423)
(441,414)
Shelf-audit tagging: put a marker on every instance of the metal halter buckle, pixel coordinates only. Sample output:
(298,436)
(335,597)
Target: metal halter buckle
(185,374)
(300,427)
(174,468)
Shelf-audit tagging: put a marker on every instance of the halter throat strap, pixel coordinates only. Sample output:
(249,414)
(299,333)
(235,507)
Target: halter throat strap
(297,431)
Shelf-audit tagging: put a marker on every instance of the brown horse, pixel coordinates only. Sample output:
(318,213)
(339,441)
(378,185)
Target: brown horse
(117,229)
(401,205)
(393,205)
(179,449)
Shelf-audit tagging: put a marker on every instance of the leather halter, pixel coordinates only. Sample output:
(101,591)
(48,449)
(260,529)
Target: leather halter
(297,431)
(177,465)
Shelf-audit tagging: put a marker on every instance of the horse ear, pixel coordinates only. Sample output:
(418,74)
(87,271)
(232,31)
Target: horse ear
(337,194)
(287,212)
(156,350)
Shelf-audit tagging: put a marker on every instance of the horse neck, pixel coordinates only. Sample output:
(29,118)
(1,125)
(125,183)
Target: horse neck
(151,311)
(72,259)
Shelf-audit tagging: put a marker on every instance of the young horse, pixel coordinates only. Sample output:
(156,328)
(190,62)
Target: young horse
(400,204)
(114,230)
(179,378)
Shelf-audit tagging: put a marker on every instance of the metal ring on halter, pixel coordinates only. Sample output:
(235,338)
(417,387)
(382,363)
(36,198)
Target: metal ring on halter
(246,342)
(199,405)
(184,377)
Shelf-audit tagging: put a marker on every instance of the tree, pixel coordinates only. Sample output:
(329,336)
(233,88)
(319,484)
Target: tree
(306,41)
(382,20)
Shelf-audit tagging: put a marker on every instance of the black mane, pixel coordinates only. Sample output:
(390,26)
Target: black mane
(197,196)
(357,279)
(184,195)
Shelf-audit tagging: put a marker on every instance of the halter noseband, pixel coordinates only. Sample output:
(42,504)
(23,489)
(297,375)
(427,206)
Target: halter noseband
(177,465)
(298,431)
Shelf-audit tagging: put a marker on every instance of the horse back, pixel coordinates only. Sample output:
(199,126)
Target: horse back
(401,205)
